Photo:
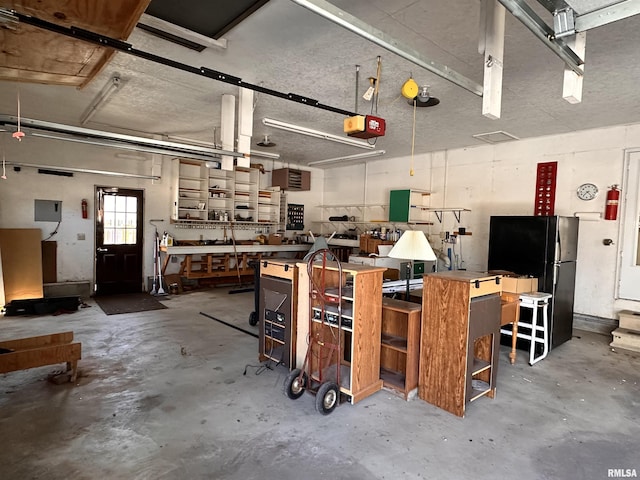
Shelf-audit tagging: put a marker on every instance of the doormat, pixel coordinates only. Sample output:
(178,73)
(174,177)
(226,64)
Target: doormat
(127,303)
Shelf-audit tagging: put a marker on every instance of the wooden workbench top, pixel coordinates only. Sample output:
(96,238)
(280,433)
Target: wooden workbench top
(240,248)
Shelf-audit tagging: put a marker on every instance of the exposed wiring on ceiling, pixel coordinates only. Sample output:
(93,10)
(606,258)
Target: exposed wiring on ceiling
(374,104)
(19,133)
(357,87)
(54,232)
(413,138)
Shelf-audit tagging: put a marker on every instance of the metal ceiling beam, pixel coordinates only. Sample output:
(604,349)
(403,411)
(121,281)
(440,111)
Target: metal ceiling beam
(544,32)
(357,26)
(605,15)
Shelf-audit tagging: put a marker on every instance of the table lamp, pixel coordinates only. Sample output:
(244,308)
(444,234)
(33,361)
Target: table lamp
(412,245)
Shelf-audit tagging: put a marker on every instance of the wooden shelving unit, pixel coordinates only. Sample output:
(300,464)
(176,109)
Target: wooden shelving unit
(209,196)
(400,346)
(359,358)
(460,338)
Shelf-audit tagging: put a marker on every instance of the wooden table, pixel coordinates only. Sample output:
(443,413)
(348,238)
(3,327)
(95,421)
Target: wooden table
(215,260)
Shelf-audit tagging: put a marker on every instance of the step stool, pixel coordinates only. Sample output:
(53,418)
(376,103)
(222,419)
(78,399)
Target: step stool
(534,301)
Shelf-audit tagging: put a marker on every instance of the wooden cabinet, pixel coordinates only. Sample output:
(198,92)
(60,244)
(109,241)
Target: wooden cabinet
(459,338)
(277,312)
(358,327)
(291,179)
(400,346)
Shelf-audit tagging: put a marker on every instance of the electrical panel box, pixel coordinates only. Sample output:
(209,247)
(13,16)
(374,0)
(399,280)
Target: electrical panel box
(48,210)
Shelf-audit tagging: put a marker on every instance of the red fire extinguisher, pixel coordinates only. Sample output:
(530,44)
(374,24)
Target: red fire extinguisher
(613,198)
(85,208)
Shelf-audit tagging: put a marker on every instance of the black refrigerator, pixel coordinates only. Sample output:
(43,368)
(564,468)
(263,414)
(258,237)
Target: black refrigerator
(543,247)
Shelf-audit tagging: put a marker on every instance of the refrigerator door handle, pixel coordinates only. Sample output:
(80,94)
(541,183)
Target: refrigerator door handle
(556,267)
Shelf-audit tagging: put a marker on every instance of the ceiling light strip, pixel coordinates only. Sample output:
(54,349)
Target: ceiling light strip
(101,99)
(348,158)
(259,153)
(116,140)
(357,26)
(85,170)
(309,132)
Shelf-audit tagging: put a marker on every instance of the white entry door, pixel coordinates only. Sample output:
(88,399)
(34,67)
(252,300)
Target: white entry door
(629,280)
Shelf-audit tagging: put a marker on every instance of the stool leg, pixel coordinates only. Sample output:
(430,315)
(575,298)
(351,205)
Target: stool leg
(534,334)
(514,336)
(545,333)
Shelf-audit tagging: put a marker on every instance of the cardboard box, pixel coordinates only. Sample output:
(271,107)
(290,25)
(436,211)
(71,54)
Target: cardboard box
(275,239)
(519,284)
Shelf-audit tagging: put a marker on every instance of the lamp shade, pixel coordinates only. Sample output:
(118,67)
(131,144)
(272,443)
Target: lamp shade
(413,245)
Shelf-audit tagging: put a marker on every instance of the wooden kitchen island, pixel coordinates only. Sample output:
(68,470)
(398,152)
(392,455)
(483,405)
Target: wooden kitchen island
(215,261)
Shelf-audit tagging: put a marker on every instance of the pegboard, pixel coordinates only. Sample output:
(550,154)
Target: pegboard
(545,189)
(295,216)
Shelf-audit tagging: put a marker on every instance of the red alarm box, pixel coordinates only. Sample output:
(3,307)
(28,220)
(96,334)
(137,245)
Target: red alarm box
(362,126)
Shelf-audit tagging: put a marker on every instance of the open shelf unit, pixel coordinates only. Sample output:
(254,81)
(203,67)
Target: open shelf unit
(400,346)
(208,196)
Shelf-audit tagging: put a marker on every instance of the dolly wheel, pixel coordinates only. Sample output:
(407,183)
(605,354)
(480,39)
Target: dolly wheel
(253,319)
(327,398)
(295,384)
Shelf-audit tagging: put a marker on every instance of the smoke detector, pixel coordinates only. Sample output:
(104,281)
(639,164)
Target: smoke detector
(265,142)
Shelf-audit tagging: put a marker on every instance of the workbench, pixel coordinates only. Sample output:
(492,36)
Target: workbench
(211,261)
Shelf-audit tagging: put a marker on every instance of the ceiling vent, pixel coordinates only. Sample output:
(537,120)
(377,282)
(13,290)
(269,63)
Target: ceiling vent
(495,137)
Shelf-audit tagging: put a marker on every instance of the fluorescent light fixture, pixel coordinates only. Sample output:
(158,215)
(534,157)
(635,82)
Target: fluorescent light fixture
(84,170)
(348,158)
(124,146)
(131,156)
(178,31)
(115,140)
(258,153)
(101,99)
(290,127)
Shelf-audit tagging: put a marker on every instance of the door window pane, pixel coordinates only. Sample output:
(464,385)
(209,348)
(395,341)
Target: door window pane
(120,220)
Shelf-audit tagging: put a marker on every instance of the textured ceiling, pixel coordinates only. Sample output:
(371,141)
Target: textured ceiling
(285,47)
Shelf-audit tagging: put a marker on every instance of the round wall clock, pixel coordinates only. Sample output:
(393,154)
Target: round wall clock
(587,191)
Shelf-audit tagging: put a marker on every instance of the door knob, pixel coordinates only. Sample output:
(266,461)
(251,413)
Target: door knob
(102,250)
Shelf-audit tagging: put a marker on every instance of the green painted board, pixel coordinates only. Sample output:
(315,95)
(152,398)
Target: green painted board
(399,205)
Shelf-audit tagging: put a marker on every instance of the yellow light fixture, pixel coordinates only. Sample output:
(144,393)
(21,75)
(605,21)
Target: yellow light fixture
(410,89)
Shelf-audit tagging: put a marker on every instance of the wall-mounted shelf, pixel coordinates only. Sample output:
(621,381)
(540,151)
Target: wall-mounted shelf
(211,198)
(457,212)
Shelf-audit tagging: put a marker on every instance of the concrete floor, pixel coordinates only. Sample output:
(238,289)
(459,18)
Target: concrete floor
(162,395)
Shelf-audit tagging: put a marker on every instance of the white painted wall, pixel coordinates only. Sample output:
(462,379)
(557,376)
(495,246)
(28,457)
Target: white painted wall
(75,258)
(489,180)
(500,180)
